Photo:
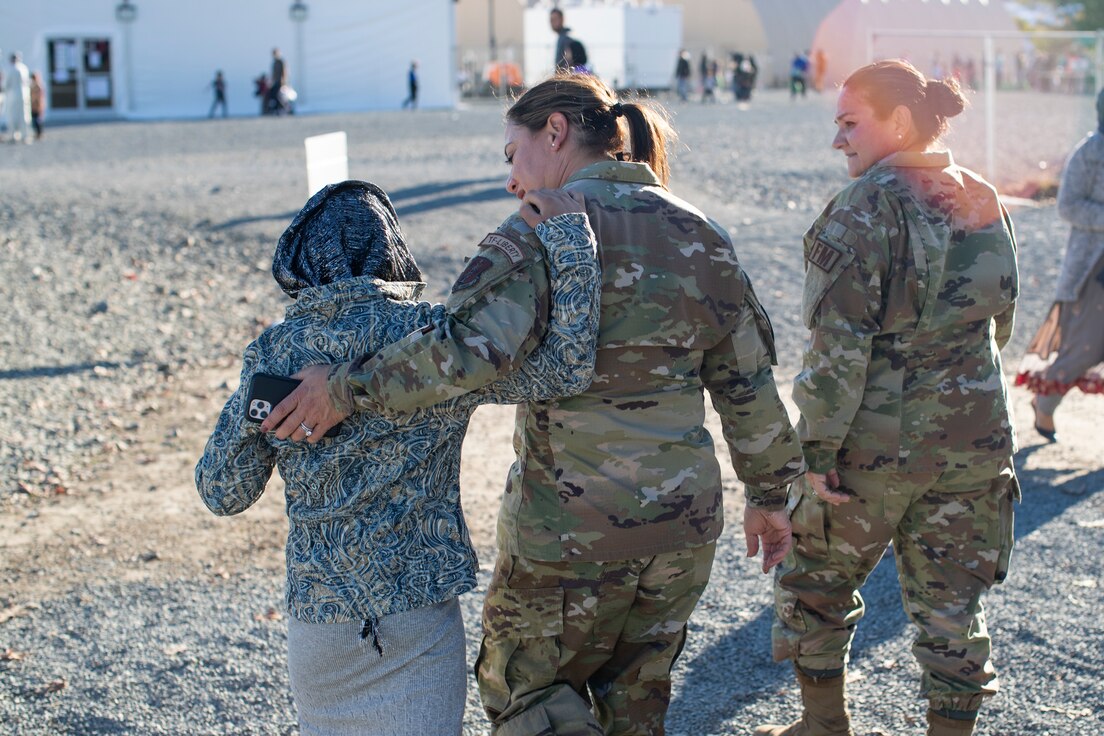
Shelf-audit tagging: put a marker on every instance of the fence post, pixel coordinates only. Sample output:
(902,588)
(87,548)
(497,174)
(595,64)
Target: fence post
(1099,80)
(990,108)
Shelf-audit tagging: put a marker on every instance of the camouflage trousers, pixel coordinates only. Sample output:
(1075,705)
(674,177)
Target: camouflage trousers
(574,648)
(952,536)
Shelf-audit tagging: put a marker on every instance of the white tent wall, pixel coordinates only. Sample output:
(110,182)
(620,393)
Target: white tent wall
(653,39)
(626,45)
(356,52)
(844,34)
(26,26)
(176,48)
(722,28)
(790,27)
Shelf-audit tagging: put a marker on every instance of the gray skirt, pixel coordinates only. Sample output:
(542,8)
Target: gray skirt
(1068,350)
(405,675)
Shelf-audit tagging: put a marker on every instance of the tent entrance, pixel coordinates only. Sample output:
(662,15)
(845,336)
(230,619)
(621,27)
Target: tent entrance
(79,77)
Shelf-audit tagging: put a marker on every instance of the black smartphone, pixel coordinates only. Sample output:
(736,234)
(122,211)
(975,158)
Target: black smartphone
(266,391)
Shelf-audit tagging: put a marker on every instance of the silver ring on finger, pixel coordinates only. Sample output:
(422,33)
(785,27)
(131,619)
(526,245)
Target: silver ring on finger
(308,431)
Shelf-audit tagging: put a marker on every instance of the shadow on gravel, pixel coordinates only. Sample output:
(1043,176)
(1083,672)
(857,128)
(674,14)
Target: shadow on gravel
(239,221)
(741,658)
(425,190)
(48,371)
(497,190)
(484,194)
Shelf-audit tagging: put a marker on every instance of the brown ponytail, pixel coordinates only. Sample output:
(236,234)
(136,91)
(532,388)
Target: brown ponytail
(596,114)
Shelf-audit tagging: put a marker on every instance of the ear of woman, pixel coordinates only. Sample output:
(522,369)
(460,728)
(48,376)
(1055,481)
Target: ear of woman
(902,125)
(557,129)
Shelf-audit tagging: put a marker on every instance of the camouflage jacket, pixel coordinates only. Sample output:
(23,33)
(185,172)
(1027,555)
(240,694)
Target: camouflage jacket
(910,289)
(626,468)
(376,525)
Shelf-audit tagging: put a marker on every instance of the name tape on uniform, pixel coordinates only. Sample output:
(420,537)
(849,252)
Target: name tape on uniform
(825,255)
(505,245)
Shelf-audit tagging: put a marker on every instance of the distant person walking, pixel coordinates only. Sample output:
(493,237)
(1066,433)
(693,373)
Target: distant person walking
(411,100)
(1068,350)
(17,99)
(577,57)
(799,72)
(743,77)
(709,80)
(565,56)
(275,102)
(3,110)
(219,87)
(38,104)
(260,91)
(820,68)
(682,75)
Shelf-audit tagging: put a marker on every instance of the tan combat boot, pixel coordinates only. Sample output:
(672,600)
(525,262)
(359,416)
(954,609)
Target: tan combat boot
(942,726)
(825,710)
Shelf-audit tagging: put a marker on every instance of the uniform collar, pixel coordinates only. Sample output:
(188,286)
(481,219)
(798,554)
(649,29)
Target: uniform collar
(626,171)
(919,159)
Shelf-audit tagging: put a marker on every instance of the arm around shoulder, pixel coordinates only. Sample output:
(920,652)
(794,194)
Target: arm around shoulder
(563,364)
(496,316)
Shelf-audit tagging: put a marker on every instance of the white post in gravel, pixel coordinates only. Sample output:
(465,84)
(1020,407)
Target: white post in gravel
(327,160)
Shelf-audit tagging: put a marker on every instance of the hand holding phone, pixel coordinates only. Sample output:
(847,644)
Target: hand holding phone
(266,390)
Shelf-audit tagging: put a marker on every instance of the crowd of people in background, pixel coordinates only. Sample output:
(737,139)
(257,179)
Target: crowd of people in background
(1069,72)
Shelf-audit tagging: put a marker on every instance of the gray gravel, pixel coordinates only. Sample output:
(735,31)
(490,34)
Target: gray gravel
(132,252)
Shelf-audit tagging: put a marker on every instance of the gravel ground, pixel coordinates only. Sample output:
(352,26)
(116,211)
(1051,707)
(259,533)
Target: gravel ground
(136,256)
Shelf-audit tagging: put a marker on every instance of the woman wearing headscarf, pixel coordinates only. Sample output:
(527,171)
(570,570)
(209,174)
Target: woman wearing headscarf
(910,290)
(1068,350)
(378,549)
(613,508)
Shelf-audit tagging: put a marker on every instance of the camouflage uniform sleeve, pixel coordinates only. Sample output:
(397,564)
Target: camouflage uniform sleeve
(846,263)
(238,460)
(496,316)
(1005,321)
(765,451)
(563,365)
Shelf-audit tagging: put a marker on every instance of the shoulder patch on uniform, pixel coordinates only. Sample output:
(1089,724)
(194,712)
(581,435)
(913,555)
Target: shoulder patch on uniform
(825,255)
(470,276)
(506,245)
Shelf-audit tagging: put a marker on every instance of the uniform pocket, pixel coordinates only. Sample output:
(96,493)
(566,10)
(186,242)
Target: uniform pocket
(520,651)
(809,522)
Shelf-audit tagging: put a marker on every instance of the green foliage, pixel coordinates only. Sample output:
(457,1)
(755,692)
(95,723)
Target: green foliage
(1082,15)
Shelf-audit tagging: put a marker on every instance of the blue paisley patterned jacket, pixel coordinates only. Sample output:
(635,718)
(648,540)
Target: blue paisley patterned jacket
(375,522)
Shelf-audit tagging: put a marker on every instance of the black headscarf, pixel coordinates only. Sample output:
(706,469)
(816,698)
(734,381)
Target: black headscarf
(346,230)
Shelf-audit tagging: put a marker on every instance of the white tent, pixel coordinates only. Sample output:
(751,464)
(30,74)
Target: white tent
(846,33)
(628,46)
(156,58)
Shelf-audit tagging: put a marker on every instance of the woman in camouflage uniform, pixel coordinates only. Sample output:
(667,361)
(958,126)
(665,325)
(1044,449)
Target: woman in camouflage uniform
(910,286)
(611,513)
